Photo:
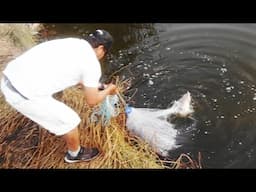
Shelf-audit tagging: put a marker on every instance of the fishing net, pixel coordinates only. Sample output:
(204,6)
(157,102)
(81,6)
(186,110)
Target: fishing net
(150,125)
(153,126)
(110,107)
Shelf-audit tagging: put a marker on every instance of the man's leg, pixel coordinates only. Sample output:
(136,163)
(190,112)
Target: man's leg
(72,139)
(56,117)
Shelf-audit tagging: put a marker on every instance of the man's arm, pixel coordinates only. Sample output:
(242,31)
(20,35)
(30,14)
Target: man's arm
(94,96)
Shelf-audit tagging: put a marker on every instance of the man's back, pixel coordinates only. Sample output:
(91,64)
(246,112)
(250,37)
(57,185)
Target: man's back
(53,66)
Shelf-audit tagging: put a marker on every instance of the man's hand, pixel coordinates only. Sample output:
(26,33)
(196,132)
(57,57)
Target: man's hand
(112,88)
(93,95)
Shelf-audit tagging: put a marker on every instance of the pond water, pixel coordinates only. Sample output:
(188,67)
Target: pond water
(215,62)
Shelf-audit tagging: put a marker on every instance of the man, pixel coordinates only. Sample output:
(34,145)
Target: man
(31,79)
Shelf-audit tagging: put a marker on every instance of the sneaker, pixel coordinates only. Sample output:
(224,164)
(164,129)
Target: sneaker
(85,154)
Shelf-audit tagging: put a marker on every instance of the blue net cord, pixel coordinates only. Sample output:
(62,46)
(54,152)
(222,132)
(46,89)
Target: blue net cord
(109,108)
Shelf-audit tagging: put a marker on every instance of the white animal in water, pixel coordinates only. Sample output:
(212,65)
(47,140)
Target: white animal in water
(152,126)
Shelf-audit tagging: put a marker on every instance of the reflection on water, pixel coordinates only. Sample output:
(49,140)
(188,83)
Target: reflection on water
(215,62)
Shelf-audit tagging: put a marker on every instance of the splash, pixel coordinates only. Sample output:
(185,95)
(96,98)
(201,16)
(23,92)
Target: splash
(152,126)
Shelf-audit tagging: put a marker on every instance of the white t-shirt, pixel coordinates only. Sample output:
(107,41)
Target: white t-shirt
(53,66)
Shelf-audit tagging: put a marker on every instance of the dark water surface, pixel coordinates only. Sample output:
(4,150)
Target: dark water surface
(215,62)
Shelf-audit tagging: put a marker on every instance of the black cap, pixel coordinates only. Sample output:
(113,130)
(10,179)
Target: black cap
(100,37)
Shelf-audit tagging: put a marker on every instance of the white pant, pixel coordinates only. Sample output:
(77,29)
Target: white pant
(48,112)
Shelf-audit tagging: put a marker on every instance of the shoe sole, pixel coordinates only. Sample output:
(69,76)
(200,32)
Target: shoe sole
(77,161)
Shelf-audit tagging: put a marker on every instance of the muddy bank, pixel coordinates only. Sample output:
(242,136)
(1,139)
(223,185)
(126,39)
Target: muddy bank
(7,53)
(15,39)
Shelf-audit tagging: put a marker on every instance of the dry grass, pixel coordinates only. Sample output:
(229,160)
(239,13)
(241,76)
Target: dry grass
(23,144)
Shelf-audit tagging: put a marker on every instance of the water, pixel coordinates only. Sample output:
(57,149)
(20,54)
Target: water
(215,62)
